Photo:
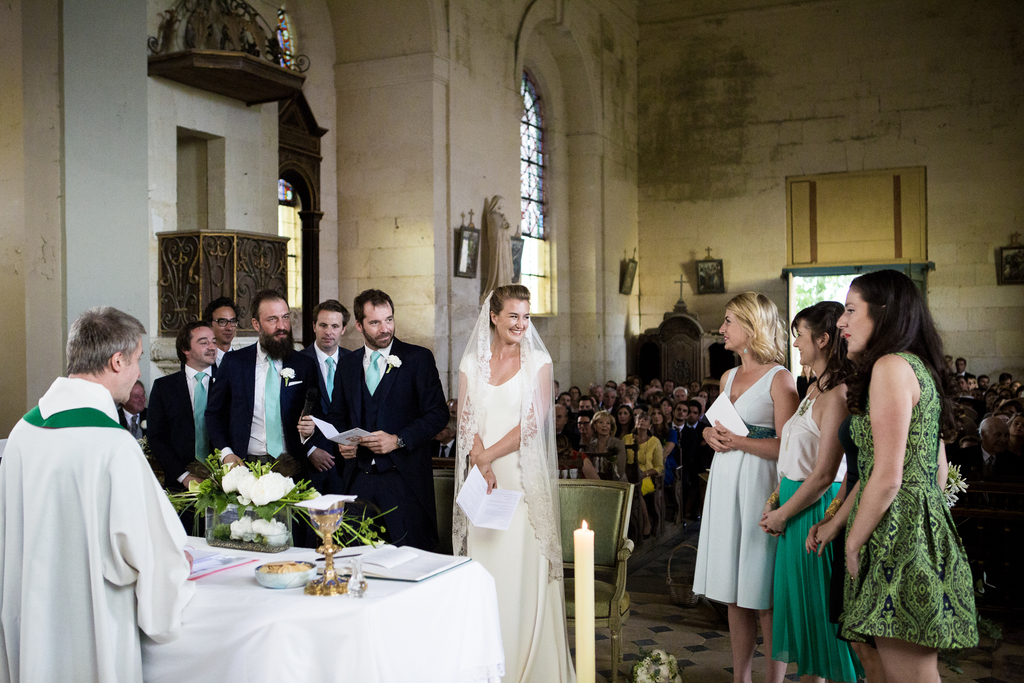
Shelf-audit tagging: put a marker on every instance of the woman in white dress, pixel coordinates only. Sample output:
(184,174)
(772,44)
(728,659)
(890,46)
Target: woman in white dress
(506,429)
(735,559)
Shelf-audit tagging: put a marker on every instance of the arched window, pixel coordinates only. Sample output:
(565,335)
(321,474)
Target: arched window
(290,225)
(536,256)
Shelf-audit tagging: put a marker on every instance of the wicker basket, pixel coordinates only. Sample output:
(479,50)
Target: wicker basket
(681,595)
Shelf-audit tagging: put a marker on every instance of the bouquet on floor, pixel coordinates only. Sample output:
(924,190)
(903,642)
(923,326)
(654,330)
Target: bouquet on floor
(656,666)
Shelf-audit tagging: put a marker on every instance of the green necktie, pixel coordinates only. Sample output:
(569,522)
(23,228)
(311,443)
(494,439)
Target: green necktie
(272,412)
(330,379)
(199,413)
(373,373)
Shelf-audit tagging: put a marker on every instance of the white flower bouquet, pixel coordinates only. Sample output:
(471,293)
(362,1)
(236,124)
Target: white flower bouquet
(955,485)
(656,666)
(252,504)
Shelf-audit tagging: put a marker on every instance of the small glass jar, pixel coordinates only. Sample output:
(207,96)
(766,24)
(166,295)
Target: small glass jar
(357,583)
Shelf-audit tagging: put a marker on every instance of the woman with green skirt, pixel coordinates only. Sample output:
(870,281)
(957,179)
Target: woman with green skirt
(810,460)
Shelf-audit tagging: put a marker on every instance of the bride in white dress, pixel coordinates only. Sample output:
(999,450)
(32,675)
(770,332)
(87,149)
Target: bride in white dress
(506,429)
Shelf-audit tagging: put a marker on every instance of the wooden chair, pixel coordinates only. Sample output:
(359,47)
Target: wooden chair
(605,505)
(658,525)
(444,495)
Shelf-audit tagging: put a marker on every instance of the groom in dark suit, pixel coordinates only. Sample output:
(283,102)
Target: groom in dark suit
(391,389)
(259,393)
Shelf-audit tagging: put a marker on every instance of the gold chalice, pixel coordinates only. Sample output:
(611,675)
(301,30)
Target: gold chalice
(326,522)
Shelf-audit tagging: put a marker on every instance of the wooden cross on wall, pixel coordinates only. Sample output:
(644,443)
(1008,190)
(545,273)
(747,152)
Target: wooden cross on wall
(708,249)
(681,281)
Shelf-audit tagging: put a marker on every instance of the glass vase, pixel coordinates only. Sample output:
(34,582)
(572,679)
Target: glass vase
(218,531)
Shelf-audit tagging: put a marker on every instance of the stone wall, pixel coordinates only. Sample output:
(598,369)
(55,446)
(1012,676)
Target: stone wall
(734,100)
(428,126)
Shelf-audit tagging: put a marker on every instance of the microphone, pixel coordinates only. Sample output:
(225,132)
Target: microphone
(312,398)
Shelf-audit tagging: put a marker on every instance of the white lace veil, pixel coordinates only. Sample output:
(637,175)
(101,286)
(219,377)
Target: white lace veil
(538,458)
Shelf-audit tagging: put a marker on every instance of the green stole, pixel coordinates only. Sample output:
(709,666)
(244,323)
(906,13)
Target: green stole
(77,417)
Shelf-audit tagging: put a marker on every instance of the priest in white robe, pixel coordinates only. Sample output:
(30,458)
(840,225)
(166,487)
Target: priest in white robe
(91,551)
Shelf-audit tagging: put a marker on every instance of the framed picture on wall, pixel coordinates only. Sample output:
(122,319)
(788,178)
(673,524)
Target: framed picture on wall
(467,251)
(627,273)
(1011,265)
(710,279)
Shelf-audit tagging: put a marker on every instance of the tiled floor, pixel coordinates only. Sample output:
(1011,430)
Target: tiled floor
(699,639)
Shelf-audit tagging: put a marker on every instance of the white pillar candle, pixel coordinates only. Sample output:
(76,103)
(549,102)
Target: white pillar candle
(583,548)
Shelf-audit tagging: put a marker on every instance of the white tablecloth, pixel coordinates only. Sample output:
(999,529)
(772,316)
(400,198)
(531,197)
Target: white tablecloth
(444,629)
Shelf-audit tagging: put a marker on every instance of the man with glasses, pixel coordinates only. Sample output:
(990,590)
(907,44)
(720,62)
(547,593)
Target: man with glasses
(222,316)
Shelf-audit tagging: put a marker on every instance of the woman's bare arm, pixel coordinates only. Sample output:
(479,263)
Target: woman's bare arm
(893,393)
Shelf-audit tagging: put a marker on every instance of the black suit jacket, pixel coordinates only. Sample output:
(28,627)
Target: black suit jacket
(229,409)
(971,463)
(411,406)
(172,428)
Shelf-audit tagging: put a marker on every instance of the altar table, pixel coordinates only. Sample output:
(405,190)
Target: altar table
(443,629)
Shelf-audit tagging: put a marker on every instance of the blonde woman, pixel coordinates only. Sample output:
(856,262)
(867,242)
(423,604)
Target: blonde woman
(607,452)
(735,559)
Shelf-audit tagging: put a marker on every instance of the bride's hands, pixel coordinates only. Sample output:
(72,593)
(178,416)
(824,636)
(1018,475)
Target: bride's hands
(488,474)
(477,454)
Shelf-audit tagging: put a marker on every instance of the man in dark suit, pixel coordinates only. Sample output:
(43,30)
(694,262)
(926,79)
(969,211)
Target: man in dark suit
(329,321)
(258,395)
(990,460)
(392,390)
(132,413)
(177,415)
(443,445)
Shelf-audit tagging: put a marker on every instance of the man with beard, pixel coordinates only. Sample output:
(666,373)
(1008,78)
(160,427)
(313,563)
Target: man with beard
(258,395)
(392,390)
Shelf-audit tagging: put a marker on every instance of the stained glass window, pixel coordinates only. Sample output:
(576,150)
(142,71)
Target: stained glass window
(285,194)
(531,161)
(284,38)
(536,254)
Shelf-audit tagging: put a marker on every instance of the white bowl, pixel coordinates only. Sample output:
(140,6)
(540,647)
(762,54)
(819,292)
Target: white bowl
(289,580)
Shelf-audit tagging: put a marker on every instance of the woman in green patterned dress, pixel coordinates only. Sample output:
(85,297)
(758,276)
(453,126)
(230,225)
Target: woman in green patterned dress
(909,585)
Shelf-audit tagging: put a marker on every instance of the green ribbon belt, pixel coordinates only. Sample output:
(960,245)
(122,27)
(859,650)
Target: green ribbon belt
(77,417)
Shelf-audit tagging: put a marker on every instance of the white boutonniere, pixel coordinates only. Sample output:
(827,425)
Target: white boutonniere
(393,362)
(287,374)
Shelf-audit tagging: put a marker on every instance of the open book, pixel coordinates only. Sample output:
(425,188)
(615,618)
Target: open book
(398,564)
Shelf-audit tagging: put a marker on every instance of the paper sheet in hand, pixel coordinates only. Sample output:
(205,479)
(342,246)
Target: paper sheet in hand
(492,511)
(347,438)
(722,410)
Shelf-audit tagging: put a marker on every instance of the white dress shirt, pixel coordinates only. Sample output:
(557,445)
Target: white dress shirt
(258,430)
(321,358)
(190,380)
(220,357)
(382,360)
